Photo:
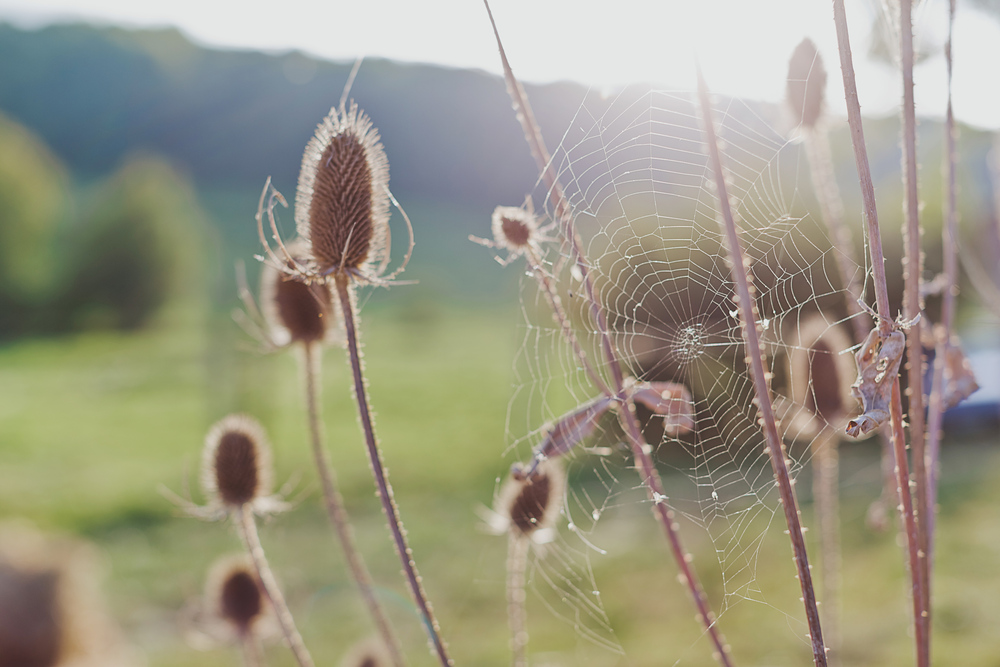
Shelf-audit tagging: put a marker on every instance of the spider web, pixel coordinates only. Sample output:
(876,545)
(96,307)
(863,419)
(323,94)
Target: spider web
(636,175)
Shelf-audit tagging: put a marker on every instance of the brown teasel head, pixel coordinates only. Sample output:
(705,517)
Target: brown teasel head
(821,375)
(236,463)
(806,83)
(532,503)
(235,594)
(369,652)
(295,311)
(513,228)
(342,202)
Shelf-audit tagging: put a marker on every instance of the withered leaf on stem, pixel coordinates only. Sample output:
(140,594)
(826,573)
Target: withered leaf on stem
(670,400)
(878,365)
(960,381)
(571,428)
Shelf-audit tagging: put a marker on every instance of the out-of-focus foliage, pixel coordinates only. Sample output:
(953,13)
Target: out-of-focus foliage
(138,246)
(33,200)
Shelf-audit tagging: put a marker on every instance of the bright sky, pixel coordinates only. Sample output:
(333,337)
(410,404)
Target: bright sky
(743,45)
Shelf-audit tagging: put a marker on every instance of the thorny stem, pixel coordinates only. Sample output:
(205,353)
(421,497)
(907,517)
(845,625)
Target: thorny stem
(825,482)
(885,319)
(552,295)
(912,270)
(864,170)
(626,412)
(752,343)
(909,522)
(343,286)
(517,617)
(248,531)
(338,512)
(949,248)
(250,648)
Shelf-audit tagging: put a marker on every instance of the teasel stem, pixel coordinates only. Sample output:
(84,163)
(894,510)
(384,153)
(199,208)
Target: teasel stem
(827,494)
(345,297)
(885,323)
(248,531)
(336,510)
(626,412)
(517,615)
(552,296)
(250,648)
(758,372)
(912,275)
(949,249)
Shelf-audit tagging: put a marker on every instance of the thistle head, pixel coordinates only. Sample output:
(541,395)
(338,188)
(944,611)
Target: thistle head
(531,503)
(514,229)
(806,83)
(342,202)
(369,652)
(296,312)
(235,596)
(236,462)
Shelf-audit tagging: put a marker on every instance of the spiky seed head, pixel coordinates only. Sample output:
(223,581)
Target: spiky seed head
(342,202)
(235,594)
(369,652)
(532,503)
(297,312)
(513,228)
(821,375)
(806,83)
(236,463)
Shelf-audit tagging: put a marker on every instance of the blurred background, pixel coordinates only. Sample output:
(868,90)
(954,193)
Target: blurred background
(135,139)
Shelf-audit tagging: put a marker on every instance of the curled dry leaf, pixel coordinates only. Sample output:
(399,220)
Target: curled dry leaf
(670,400)
(878,365)
(960,381)
(667,399)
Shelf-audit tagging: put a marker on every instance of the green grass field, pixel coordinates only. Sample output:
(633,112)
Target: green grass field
(92,426)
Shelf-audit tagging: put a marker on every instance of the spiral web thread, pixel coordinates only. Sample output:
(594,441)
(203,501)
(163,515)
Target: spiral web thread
(636,175)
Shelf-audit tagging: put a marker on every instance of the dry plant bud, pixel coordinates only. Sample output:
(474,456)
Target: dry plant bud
(295,311)
(819,372)
(51,609)
(513,228)
(369,652)
(960,381)
(235,595)
(806,83)
(236,462)
(531,503)
(342,202)
(669,400)
(878,365)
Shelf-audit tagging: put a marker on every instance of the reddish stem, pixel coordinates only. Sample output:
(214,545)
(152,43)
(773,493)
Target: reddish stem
(343,286)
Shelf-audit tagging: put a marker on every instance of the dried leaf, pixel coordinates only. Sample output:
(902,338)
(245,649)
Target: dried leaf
(670,400)
(878,365)
(960,381)
(571,428)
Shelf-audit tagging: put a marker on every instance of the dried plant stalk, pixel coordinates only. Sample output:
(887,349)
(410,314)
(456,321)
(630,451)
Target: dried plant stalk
(754,350)
(949,250)
(626,412)
(337,512)
(885,324)
(248,531)
(345,297)
(913,306)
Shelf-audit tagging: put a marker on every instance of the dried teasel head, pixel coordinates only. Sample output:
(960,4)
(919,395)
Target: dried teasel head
(369,652)
(821,375)
(234,595)
(297,312)
(236,462)
(531,504)
(514,228)
(342,202)
(806,83)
